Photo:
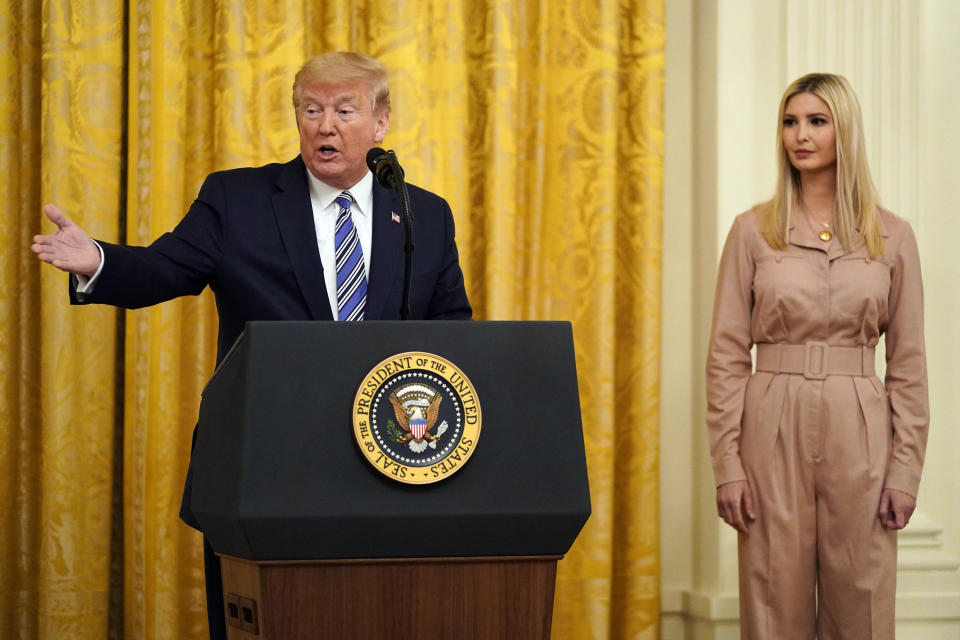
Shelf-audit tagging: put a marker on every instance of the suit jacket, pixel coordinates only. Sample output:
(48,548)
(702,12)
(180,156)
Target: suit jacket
(250,236)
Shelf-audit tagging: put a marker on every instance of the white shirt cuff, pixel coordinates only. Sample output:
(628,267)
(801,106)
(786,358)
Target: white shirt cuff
(84,283)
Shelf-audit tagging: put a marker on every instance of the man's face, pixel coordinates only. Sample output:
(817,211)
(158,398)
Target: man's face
(337,128)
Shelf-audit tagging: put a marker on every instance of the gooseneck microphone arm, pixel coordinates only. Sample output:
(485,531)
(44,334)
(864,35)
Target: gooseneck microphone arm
(388,172)
(407,240)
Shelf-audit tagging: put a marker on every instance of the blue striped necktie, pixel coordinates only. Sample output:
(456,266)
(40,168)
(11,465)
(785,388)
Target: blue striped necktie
(351,279)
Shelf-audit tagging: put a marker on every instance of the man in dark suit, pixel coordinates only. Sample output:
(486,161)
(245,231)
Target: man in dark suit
(316,238)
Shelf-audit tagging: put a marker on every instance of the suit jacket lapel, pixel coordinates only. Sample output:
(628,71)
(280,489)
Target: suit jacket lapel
(294,213)
(386,259)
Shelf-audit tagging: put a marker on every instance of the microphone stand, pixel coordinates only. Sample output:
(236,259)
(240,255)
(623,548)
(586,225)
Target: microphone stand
(401,186)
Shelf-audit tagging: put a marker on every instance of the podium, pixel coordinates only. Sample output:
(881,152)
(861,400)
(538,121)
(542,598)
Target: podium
(317,542)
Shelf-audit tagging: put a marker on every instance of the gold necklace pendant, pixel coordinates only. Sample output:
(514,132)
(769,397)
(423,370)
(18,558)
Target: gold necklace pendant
(825,233)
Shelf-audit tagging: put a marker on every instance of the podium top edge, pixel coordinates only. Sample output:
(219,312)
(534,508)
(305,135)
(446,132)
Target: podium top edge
(268,327)
(424,560)
(269,323)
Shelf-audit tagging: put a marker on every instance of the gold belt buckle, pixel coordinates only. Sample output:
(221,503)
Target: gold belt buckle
(815,360)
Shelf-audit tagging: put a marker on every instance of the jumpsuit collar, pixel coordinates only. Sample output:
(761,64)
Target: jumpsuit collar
(801,234)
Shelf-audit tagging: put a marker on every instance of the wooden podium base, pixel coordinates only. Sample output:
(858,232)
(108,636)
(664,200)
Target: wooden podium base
(416,599)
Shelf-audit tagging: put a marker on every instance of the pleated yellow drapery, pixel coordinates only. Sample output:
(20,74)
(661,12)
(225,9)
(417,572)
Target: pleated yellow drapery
(540,122)
(62,90)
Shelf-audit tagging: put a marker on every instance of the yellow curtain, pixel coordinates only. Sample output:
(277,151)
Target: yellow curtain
(541,122)
(63,92)
(209,89)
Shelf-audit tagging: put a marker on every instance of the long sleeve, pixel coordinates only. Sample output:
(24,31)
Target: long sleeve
(728,358)
(180,262)
(906,377)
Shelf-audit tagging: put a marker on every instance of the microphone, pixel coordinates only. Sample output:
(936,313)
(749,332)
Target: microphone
(385,168)
(388,172)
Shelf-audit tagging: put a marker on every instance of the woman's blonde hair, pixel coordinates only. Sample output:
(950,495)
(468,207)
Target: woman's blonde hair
(340,67)
(855,215)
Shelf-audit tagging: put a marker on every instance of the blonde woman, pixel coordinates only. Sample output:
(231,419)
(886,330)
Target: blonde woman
(816,461)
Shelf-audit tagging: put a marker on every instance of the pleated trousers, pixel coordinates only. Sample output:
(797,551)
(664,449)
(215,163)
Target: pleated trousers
(817,563)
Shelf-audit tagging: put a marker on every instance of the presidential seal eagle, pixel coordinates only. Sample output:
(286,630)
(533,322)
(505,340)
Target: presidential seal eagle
(417,416)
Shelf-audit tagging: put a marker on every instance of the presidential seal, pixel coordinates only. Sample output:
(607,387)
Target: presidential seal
(416,418)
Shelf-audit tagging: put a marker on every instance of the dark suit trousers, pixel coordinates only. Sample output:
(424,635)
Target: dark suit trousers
(214,582)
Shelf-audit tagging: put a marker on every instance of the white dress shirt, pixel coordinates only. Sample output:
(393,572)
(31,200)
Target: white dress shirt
(325,212)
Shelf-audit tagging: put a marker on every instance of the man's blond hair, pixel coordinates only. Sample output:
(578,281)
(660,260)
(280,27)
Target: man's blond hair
(342,67)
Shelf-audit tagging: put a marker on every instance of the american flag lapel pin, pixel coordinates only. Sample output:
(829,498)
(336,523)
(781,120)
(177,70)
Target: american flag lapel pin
(395,217)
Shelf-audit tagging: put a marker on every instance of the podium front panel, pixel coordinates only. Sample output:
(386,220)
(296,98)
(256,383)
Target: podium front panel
(277,473)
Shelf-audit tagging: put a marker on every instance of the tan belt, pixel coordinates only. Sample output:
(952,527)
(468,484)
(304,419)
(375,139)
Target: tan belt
(816,360)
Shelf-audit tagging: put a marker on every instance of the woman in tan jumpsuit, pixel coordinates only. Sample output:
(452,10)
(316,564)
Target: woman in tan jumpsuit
(817,462)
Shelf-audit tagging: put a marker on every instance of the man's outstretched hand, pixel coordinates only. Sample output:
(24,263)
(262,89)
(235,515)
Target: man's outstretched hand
(70,249)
